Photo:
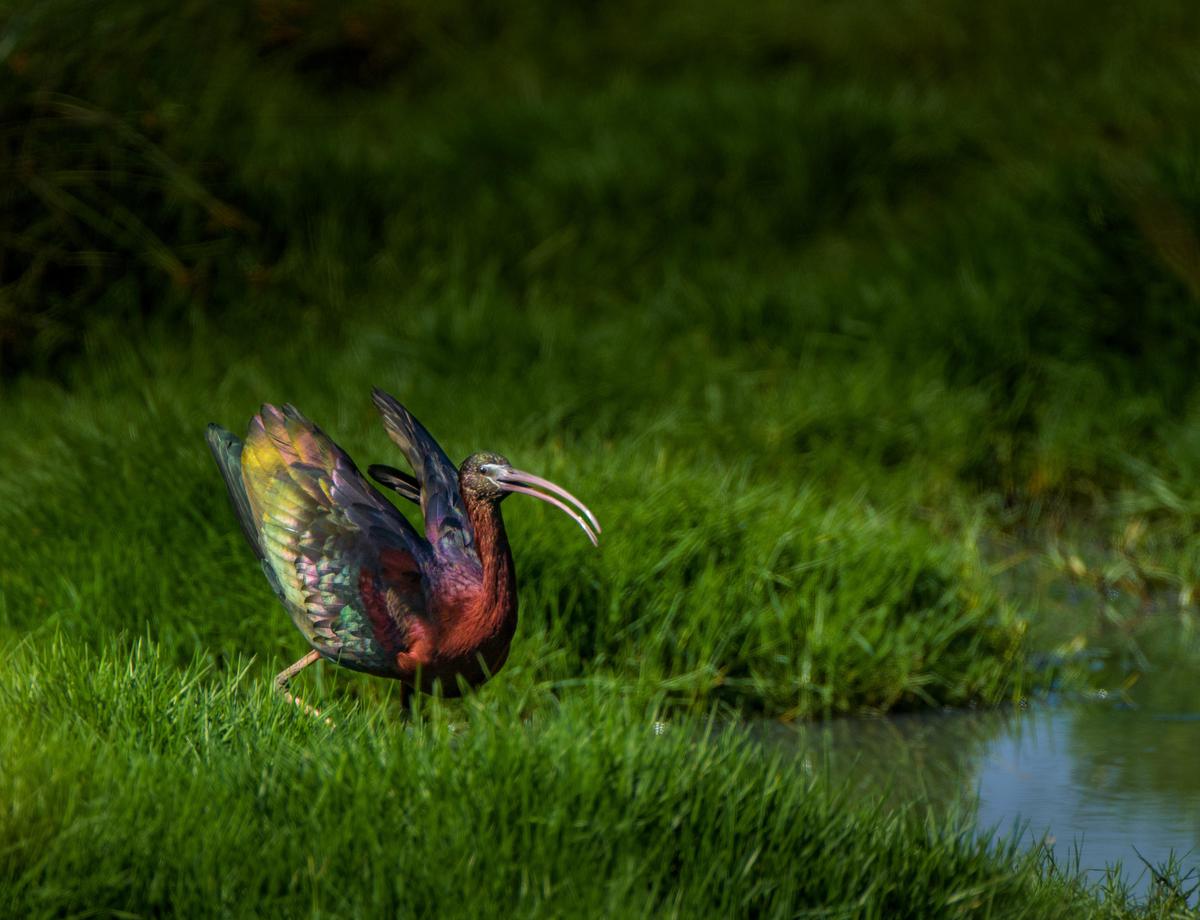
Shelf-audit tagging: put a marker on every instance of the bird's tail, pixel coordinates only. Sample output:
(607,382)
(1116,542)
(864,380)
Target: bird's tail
(227,451)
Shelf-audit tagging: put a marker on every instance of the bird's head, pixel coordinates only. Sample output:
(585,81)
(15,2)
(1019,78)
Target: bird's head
(490,477)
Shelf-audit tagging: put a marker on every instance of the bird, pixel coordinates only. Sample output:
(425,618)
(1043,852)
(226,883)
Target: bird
(366,590)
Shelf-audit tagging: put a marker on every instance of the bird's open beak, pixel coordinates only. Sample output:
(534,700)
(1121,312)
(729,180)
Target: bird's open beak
(527,484)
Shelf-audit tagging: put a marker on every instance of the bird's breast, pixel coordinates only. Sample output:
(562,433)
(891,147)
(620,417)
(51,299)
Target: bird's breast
(477,626)
(465,637)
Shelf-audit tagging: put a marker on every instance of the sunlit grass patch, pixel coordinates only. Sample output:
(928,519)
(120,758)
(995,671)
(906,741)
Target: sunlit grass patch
(714,582)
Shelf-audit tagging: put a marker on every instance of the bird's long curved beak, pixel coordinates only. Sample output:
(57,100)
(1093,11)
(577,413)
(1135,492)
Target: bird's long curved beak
(527,484)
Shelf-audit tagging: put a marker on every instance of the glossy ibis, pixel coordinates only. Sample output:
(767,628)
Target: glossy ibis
(366,590)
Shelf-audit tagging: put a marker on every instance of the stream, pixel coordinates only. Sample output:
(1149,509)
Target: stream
(1108,777)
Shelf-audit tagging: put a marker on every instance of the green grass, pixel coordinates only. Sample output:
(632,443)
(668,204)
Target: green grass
(713,582)
(132,786)
(832,315)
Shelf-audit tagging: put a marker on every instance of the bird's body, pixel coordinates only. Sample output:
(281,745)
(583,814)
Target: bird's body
(366,590)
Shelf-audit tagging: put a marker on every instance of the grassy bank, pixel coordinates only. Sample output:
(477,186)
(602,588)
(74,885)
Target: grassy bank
(849,323)
(136,787)
(719,582)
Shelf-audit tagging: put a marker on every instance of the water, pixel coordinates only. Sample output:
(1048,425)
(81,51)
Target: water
(1112,777)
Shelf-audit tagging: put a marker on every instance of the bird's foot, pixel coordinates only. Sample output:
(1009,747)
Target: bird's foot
(281,684)
(305,708)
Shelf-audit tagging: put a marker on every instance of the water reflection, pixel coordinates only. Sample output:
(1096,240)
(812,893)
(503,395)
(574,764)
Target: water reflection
(1112,781)
(1104,777)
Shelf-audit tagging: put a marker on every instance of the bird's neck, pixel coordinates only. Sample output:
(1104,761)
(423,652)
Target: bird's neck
(499,600)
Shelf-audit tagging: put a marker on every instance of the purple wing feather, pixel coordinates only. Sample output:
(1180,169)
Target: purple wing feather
(446,523)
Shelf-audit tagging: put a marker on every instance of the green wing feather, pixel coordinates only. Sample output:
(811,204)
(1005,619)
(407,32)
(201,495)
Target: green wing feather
(227,450)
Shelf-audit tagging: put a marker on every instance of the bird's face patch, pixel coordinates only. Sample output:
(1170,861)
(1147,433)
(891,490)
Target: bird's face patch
(479,472)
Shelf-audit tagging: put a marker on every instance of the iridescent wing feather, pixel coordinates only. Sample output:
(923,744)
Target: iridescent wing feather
(344,562)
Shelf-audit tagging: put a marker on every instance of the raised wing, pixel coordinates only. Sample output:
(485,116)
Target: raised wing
(399,482)
(344,562)
(227,451)
(441,501)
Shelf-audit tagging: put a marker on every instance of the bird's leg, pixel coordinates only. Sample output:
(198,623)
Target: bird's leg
(281,684)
